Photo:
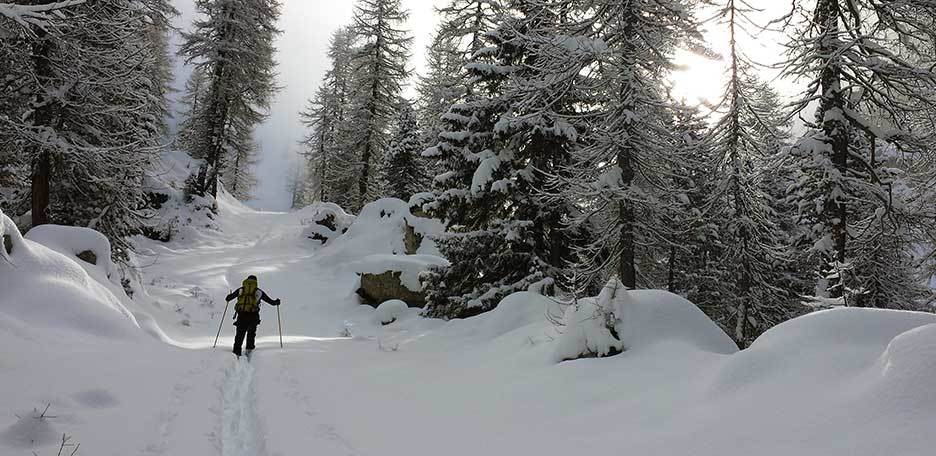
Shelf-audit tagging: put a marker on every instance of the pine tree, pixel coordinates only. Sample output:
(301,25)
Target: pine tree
(441,87)
(330,156)
(460,34)
(628,151)
(96,82)
(744,269)
(192,137)
(402,174)
(849,191)
(506,233)
(379,69)
(233,45)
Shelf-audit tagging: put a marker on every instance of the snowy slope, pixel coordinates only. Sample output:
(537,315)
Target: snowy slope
(839,382)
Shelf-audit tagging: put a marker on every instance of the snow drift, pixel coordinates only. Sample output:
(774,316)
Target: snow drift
(44,287)
(620,319)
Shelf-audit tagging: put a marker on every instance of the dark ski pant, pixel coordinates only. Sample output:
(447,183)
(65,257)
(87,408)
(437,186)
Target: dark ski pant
(246,325)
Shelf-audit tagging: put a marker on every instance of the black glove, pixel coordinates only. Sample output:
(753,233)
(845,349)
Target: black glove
(235,316)
(276,302)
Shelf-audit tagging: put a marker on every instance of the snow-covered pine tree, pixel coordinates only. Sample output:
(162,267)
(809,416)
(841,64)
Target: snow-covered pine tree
(460,34)
(192,136)
(747,268)
(232,43)
(442,86)
(238,176)
(680,253)
(379,72)
(96,81)
(628,153)
(864,69)
(402,172)
(507,233)
(329,156)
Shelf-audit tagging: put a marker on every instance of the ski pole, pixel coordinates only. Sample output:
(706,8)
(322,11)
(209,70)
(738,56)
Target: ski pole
(226,303)
(280,322)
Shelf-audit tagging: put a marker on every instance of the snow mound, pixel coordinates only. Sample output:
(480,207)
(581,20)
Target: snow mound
(516,311)
(380,229)
(829,344)
(390,311)
(908,367)
(46,288)
(620,319)
(72,241)
(324,221)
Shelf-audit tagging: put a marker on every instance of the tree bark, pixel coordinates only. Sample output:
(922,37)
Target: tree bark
(43,117)
(831,117)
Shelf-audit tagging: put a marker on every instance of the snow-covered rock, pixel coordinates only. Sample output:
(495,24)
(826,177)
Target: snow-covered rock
(44,287)
(390,311)
(324,221)
(380,229)
(77,242)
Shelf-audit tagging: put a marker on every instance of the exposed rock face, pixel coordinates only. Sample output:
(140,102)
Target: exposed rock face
(88,257)
(378,288)
(8,244)
(411,239)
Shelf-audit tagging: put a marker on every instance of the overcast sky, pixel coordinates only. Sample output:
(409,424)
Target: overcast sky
(307,26)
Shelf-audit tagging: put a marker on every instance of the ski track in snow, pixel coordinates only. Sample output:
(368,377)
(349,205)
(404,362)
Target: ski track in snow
(241,434)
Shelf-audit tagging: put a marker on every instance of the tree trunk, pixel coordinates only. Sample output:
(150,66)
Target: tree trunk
(44,116)
(626,269)
(831,116)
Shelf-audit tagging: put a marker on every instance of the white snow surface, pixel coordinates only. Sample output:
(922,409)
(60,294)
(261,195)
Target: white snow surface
(390,311)
(840,382)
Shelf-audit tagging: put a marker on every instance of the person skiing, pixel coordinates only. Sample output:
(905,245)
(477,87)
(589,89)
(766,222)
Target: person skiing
(247,312)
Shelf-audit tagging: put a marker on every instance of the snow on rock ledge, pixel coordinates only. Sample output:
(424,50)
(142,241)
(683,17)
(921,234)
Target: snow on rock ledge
(46,288)
(86,244)
(620,319)
(324,221)
(390,311)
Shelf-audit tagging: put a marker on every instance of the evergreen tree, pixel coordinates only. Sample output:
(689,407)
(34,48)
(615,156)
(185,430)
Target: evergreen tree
(96,83)
(330,158)
(233,45)
(628,154)
(192,136)
(506,233)
(379,72)
(402,174)
(442,86)
(849,191)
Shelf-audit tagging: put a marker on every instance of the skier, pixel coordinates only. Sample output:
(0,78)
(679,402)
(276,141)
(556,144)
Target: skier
(247,312)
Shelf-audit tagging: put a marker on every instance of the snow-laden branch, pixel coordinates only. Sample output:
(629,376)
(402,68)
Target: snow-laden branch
(37,15)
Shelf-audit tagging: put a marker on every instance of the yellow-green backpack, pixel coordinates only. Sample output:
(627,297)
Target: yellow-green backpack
(247,299)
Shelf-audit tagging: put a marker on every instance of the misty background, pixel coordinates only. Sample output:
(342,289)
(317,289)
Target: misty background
(306,27)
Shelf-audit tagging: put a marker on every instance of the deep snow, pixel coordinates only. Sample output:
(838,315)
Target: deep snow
(139,376)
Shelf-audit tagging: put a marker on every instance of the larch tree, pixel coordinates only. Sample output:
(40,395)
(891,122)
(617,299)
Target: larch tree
(330,155)
(379,66)
(751,257)
(866,67)
(96,81)
(628,152)
(232,43)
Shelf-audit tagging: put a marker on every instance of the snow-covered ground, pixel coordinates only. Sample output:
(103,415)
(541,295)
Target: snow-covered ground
(139,377)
